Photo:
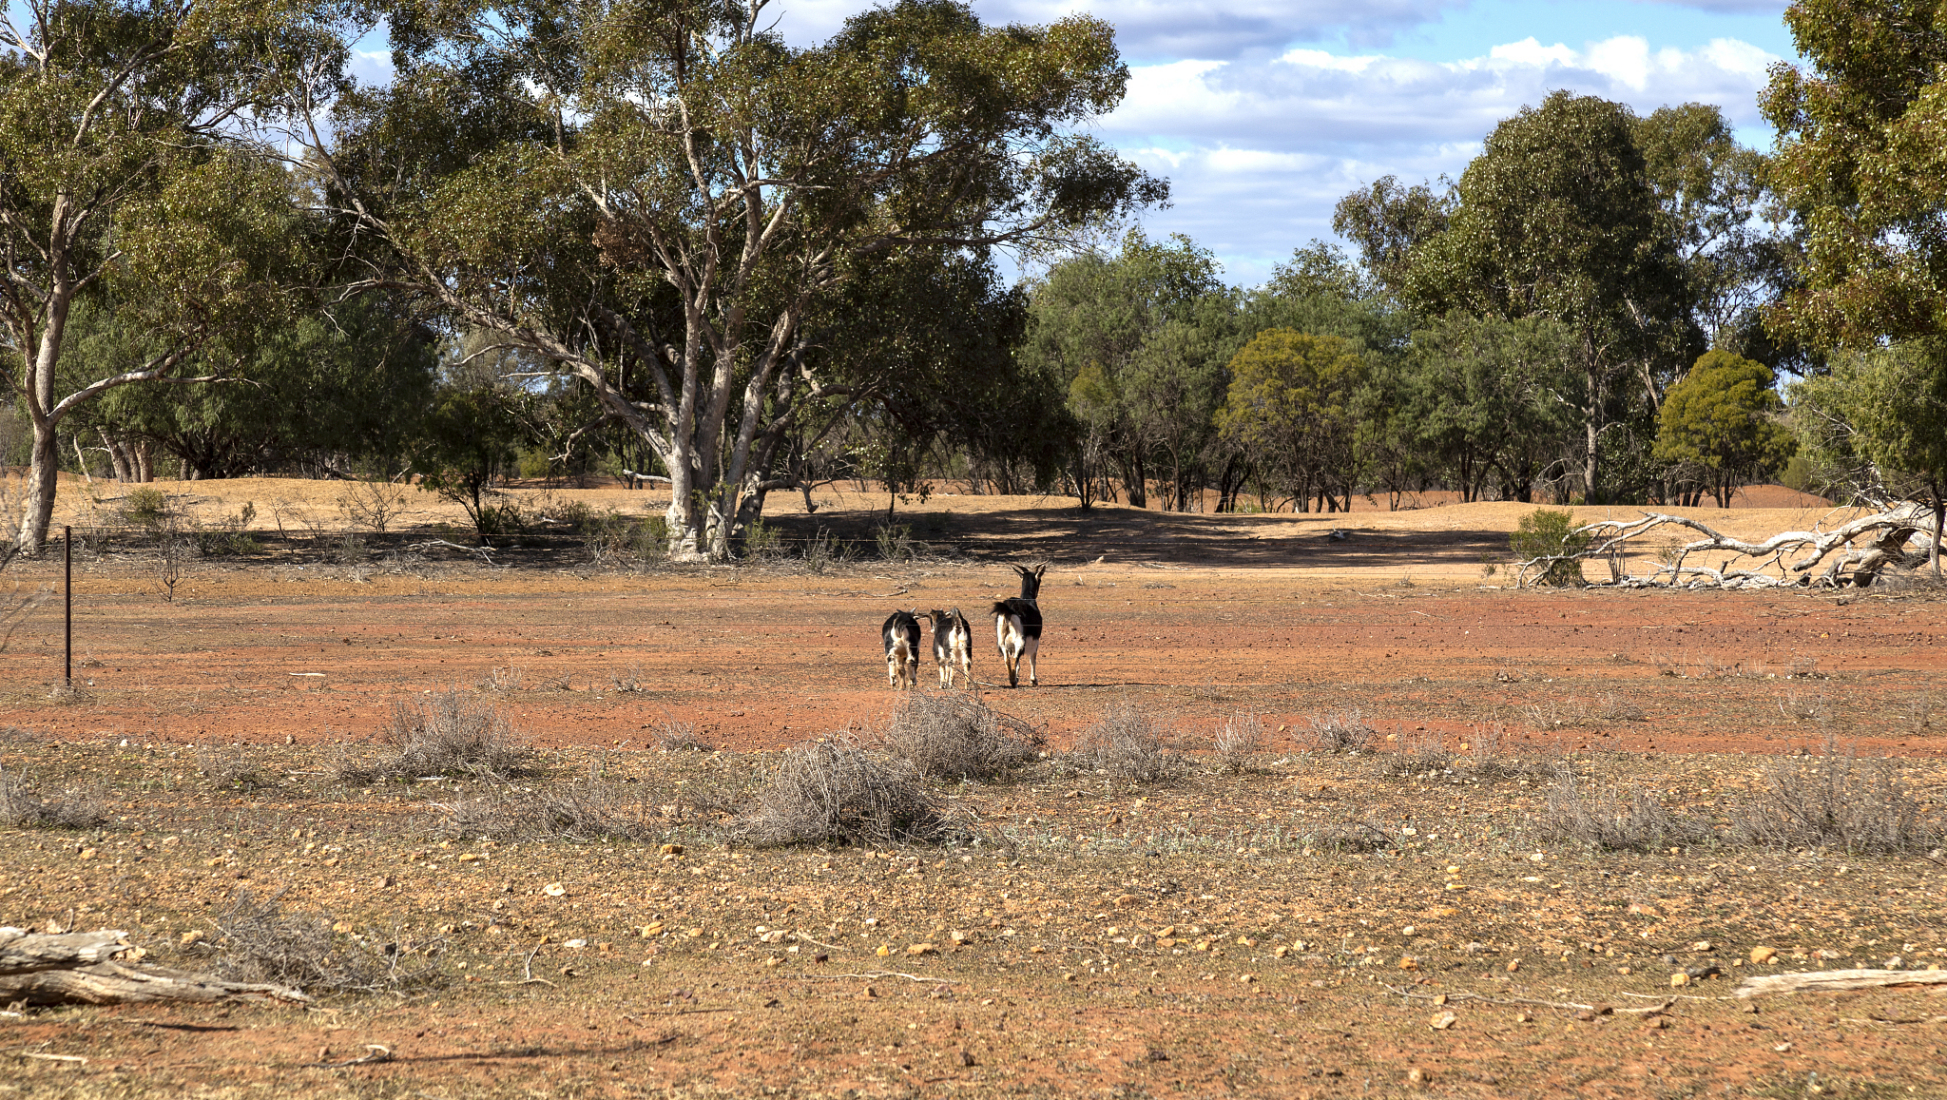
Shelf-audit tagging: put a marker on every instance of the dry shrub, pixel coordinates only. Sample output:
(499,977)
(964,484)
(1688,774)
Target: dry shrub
(956,736)
(1492,754)
(1834,799)
(1129,744)
(586,809)
(231,769)
(1350,836)
(1616,818)
(674,736)
(261,943)
(1346,732)
(1421,752)
(452,734)
(836,790)
(22,807)
(1240,738)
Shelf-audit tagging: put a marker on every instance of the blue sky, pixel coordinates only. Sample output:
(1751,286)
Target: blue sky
(1263,113)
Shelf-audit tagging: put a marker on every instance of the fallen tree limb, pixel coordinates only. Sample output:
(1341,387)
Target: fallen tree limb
(1854,553)
(1837,981)
(40,968)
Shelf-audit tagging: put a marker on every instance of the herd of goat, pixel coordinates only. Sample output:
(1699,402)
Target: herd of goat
(1017,630)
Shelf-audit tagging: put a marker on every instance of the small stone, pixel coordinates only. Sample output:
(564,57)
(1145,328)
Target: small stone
(555,890)
(1679,980)
(774,961)
(191,937)
(1895,963)
(1763,954)
(1702,946)
(1247,979)
(382,881)
(1661,1023)
(1280,951)
(885,950)
(1125,901)
(1068,977)
(1440,998)
(1416,1076)
(922,949)
(1408,962)
(87,853)
(1514,965)
(1783,1047)
(1443,1021)
(649,930)
(1623,970)
(471,857)
(575,943)
(670,850)
(1523,1018)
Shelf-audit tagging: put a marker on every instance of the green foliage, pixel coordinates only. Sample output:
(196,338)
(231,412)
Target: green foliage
(469,445)
(1557,219)
(524,175)
(1722,420)
(1477,395)
(1291,402)
(147,507)
(1872,426)
(1862,167)
(1545,533)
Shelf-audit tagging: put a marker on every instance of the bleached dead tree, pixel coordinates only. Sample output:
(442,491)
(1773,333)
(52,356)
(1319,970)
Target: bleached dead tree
(1854,553)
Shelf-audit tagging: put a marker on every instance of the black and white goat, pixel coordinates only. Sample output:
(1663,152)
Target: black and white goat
(1017,626)
(901,634)
(952,646)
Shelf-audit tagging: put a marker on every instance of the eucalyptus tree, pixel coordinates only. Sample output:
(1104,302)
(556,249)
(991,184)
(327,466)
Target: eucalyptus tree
(1722,421)
(1557,218)
(657,197)
(1090,320)
(127,172)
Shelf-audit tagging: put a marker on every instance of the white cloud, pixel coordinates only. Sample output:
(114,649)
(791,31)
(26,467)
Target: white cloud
(1259,152)
(1152,29)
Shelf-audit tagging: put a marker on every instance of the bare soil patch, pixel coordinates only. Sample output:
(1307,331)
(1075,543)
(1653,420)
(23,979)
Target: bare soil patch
(1278,922)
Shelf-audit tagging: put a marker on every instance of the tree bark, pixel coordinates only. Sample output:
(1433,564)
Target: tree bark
(1835,981)
(80,968)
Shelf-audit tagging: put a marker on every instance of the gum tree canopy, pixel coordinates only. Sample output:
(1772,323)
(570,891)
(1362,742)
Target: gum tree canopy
(128,173)
(661,198)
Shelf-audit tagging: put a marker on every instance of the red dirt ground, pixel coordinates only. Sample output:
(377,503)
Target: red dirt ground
(1195,617)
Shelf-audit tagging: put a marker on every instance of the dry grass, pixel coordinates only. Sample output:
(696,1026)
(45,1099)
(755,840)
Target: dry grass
(837,791)
(74,807)
(672,735)
(260,942)
(956,736)
(452,733)
(1129,744)
(590,808)
(1834,800)
(1238,741)
(1621,818)
(1420,753)
(1343,732)
(231,769)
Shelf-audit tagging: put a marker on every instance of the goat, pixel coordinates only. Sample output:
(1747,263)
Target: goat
(1017,626)
(952,646)
(901,634)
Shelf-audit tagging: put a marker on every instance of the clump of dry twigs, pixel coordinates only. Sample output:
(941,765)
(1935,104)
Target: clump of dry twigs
(837,790)
(451,734)
(1129,744)
(956,736)
(23,807)
(259,942)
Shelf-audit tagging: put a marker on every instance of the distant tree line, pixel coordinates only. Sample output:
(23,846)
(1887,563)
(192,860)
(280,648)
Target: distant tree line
(572,238)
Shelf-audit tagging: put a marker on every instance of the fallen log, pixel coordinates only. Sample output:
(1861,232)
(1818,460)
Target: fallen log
(1837,981)
(80,968)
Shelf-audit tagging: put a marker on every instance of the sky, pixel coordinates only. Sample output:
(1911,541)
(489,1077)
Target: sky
(1264,113)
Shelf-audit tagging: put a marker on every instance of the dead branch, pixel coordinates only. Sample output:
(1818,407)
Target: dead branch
(80,968)
(1837,981)
(1464,996)
(1854,553)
